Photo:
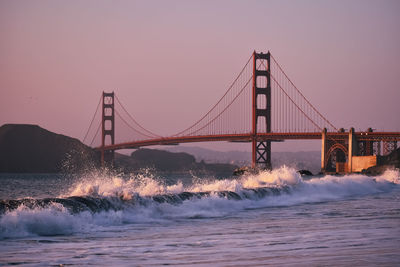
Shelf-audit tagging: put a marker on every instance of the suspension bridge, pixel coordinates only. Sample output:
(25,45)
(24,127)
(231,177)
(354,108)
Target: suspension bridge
(261,106)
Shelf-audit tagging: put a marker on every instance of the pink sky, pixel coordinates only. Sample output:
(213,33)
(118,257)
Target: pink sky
(170,61)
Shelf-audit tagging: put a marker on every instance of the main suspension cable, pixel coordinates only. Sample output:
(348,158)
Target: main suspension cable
(308,102)
(131,117)
(94,116)
(219,101)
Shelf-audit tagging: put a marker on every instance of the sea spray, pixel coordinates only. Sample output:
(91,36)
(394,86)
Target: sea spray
(108,185)
(278,177)
(99,200)
(390,175)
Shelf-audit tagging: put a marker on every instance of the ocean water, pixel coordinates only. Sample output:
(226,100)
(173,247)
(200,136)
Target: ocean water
(272,218)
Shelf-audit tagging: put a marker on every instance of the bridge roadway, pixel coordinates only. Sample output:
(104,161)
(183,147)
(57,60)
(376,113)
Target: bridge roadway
(361,136)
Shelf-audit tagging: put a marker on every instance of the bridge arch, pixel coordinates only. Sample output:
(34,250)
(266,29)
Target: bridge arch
(337,153)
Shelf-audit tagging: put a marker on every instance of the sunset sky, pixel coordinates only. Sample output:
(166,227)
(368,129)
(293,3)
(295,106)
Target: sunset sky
(170,61)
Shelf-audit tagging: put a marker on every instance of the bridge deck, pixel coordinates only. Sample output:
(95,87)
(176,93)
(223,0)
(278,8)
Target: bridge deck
(361,136)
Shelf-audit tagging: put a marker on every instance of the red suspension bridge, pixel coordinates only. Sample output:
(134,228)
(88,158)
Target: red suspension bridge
(261,106)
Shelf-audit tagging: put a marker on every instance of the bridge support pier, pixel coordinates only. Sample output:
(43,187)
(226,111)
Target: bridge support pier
(360,151)
(352,149)
(107,129)
(323,150)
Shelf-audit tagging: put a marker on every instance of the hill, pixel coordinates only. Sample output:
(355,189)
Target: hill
(170,162)
(30,148)
(26,148)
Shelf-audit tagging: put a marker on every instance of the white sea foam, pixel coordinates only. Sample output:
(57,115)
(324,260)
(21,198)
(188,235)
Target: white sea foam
(279,177)
(317,189)
(147,185)
(57,220)
(53,220)
(95,184)
(390,175)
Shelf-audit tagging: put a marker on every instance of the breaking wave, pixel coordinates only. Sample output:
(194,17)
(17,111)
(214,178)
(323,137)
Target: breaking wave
(103,200)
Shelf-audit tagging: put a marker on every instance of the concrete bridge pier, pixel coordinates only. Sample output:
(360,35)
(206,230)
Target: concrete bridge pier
(323,150)
(347,155)
(352,149)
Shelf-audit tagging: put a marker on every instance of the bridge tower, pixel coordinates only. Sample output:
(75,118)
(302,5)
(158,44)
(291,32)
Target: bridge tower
(107,128)
(261,108)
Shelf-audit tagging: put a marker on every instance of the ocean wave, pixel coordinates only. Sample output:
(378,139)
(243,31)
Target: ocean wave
(103,200)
